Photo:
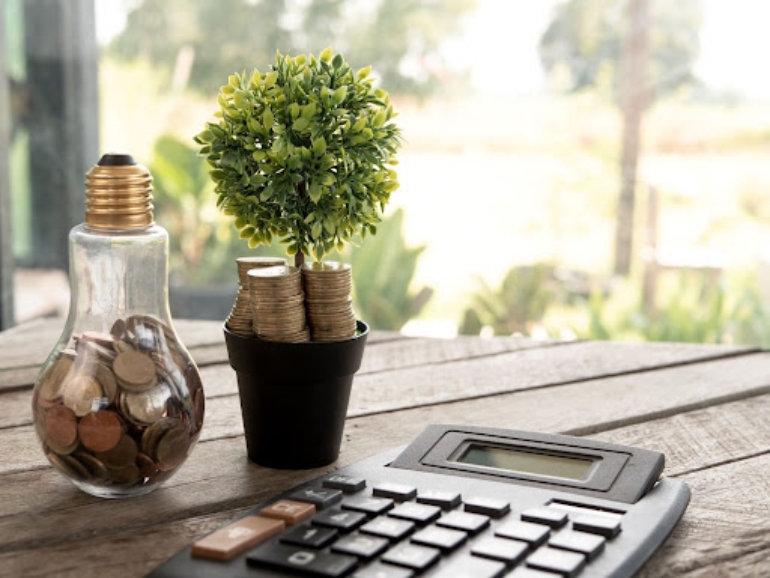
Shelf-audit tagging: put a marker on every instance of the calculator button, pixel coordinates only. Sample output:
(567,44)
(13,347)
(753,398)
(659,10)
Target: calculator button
(487,507)
(320,498)
(399,492)
(378,570)
(244,534)
(345,483)
(468,566)
(607,527)
(388,528)
(339,519)
(369,506)
(471,523)
(561,562)
(309,537)
(441,538)
(308,562)
(444,500)
(412,556)
(289,511)
(589,544)
(365,547)
(548,516)
(523,572)
(532,534)
(420,513)
(509,551)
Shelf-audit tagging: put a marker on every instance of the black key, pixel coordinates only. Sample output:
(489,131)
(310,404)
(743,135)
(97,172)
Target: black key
(319,497)
(369,506)
(366,547)
(444,500)
(561,562)
(412,556)
(607,527)
(308,562)
(524,572)
(589,544)
(339,519)
(308,536)
(532,534)
(420,513)
(441,538)
(509,551)
(465,566)
(378,570)
(471,523)
(345,483)
(488,507)
(399,492)
(388,528)
(548,516)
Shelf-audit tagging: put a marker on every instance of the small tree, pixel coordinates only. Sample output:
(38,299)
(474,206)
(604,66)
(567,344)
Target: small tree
(302,153)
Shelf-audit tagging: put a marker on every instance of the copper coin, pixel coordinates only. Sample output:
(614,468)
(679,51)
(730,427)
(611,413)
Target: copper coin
(147,467)
(70,466)
(100,431)
(106,379)
(172,447)
(152,434)
(135,371)
(127,475)
(61,426)
(118,328)
(95,467)
(122,455)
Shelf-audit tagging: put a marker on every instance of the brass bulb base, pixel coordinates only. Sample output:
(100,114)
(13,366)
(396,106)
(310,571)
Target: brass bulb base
(119,194)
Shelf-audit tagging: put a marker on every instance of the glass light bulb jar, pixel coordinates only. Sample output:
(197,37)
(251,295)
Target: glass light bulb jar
(119,403)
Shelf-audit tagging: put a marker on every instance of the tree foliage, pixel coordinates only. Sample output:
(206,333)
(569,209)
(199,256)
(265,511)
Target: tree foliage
(584,38)
(302,153)
(232,34)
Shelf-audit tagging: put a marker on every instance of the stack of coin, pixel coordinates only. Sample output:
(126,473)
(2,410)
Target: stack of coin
(277,304)
(327,299)
(120,409)
(240,319)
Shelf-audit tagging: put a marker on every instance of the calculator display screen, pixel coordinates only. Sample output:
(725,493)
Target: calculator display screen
(518,460)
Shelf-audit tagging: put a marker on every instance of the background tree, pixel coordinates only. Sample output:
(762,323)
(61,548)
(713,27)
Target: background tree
(399,38)
(646,48)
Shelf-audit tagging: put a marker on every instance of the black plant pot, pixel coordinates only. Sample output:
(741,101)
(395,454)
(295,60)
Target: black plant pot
(294,396)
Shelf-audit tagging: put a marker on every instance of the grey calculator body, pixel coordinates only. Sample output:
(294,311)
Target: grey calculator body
(528,470)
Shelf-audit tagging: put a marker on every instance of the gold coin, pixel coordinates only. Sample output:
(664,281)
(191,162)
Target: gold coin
(135,371)
(82,394)
(324,267)
(52,380)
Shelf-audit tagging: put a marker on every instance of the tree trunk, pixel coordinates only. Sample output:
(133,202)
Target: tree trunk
(633,88)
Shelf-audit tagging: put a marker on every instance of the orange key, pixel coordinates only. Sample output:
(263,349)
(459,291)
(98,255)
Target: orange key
(244,534)
(289,511)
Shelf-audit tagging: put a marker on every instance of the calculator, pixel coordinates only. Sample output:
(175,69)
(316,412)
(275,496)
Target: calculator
(457,502)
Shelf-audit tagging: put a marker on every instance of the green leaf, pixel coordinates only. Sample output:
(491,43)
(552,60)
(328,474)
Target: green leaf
(339,95)
(364,72)
(326,55)
(314,192)
(337,61)
(319,145)
(300,124)
(267,119)
(309,110)
(270,79)
(316,231)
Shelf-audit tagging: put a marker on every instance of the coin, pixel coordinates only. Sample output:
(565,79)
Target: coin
(118,328)
(135,371)
(106,379)
(172,447)
(61,426)
(94,466)
(53,378)
(127,475)
(100,431)
(121,455)
(147,467)
(152,434)
(70,466)
(147,407)
(82,393)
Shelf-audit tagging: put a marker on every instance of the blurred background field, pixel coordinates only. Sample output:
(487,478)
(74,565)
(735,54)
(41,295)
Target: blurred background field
(514,117)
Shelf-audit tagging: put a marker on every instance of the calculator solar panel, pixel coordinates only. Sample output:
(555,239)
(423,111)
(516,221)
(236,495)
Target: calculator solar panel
(448,512)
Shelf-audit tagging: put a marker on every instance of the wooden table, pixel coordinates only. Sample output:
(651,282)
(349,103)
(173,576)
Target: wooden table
(706,407)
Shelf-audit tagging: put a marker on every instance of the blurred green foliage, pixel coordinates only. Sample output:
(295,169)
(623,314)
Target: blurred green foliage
(383,269)
(234,35)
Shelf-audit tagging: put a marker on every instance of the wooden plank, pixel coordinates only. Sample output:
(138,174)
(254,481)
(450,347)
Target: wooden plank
(218,475)
(715,534)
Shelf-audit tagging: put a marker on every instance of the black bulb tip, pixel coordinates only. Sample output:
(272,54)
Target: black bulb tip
(116,160)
